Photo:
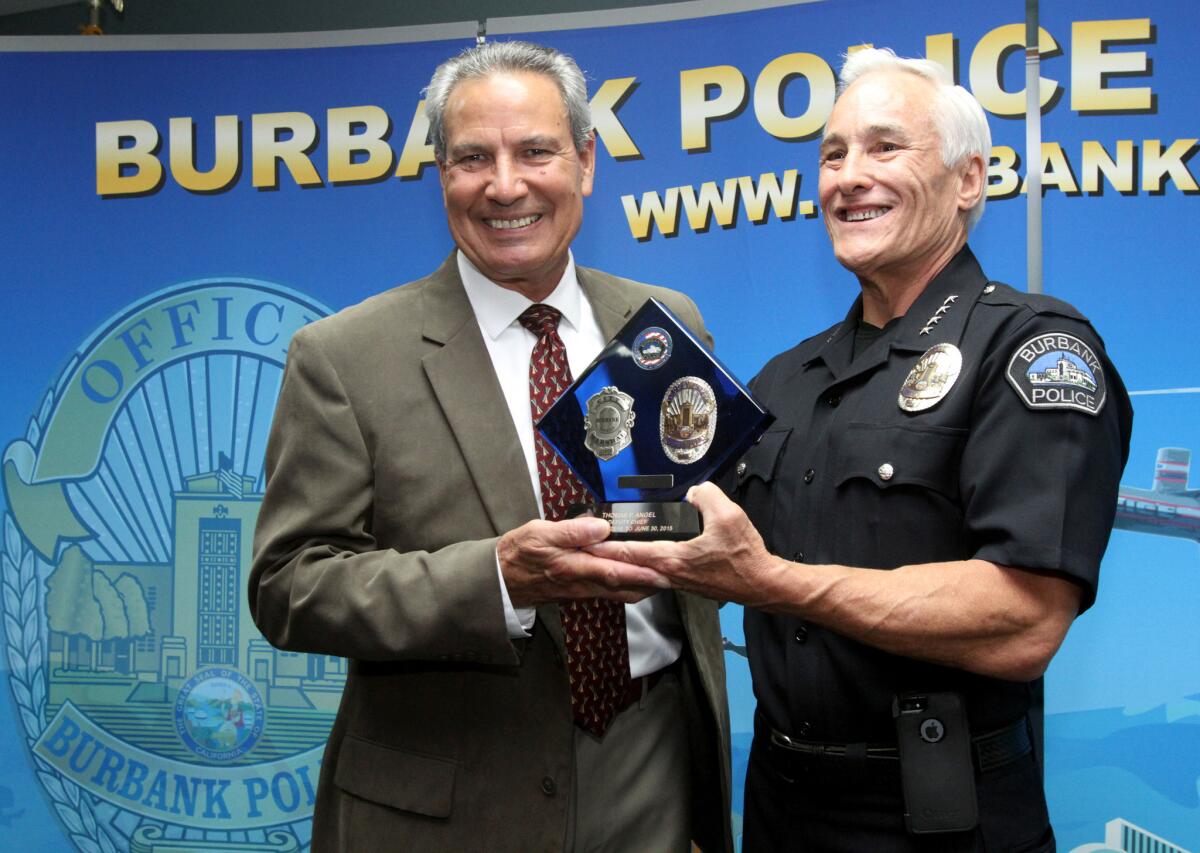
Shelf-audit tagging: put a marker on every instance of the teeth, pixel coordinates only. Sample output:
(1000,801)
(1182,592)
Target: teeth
(862,215)
(503,224)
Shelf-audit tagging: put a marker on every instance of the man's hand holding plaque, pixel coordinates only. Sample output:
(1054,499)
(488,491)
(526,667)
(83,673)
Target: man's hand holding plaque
(653,415)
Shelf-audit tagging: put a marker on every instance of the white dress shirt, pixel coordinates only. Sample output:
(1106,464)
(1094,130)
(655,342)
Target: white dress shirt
(654,630)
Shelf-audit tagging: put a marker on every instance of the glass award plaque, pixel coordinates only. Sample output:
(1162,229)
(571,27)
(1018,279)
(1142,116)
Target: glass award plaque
(654,414)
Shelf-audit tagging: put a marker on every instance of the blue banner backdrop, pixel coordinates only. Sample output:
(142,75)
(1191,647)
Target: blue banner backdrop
(171,217)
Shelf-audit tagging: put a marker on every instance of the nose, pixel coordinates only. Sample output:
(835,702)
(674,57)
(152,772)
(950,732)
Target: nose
(855,174)
(506,185)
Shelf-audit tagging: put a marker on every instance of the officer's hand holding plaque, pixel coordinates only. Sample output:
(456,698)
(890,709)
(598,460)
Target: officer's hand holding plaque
(653,415)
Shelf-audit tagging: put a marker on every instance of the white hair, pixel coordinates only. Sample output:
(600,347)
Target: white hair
(960,120)
(499,57)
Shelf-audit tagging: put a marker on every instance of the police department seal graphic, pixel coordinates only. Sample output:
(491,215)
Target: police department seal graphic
(651,348)
(153,709)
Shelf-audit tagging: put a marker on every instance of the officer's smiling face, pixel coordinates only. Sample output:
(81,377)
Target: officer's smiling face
(894,211)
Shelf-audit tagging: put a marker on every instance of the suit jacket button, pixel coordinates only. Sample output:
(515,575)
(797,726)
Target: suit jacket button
(548,786)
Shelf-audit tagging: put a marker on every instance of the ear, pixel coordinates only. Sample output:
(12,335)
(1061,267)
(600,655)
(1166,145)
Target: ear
(587,165)
(972,182)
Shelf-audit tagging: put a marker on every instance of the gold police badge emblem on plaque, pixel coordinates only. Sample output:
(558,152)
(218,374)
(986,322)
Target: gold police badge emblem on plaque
(608,422)
(687,419)
(931,378)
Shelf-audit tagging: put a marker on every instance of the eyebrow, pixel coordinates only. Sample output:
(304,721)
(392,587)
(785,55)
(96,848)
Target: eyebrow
(539,140)
(831,140)
(465,148)
(872,132)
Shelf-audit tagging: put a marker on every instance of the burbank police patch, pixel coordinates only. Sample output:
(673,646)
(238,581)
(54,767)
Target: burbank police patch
(154,710)
(1055,370)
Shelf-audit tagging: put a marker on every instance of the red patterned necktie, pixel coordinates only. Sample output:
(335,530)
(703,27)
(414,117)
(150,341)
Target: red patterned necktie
(593,628)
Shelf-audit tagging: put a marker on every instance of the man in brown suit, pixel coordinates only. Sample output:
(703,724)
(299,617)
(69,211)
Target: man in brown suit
(401,526)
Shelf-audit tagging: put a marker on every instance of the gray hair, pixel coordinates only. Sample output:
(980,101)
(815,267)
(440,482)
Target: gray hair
(960,120)
(498,57)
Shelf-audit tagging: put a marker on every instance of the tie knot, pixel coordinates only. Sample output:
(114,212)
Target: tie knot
(540,319)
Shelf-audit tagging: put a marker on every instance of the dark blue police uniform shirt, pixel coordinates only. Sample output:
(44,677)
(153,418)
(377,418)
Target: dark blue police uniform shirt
(981,474)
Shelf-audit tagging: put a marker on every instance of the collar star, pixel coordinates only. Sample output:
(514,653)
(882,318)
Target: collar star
(937,315)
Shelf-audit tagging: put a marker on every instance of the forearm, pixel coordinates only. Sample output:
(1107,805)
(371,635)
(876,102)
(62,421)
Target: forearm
(969,614)
(381,604)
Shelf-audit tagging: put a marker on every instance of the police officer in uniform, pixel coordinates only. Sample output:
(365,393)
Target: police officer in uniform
(928,513)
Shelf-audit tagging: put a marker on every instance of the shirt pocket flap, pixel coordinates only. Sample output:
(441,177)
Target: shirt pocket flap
(403,780)
(762,460)
(892,456)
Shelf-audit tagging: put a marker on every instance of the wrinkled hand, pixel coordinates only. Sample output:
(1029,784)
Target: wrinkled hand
(543,561)
(727,562)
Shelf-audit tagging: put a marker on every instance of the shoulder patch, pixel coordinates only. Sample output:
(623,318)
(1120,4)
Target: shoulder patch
(1056,370)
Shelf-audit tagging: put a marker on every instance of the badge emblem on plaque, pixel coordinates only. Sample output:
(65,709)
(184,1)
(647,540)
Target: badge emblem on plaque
(687,419)
(931,378)
(652,348)
(608,423)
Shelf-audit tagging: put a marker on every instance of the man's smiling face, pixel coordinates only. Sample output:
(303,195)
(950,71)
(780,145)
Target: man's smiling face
(892,207)
(513,182)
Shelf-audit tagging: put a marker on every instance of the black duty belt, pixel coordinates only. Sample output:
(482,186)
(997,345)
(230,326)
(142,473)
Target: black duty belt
(991,750)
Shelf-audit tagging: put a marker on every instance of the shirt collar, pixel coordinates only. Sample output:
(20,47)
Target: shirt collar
(948,297)
(940,313)
(497,308)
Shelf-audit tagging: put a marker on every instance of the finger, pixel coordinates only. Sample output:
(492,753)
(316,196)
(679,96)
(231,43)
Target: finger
(629,596)
(615,574)
(625,575)
(578,532)
(707,498)
(648,554)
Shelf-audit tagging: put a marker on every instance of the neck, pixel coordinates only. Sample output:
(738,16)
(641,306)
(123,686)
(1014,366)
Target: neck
(535,287)
(534,291)
(888,294)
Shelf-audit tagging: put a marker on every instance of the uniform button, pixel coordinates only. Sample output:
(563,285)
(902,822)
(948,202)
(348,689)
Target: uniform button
(798,557)
(886,471)
(804,729)
(802,635)
(548,786)
(989,288)
(833,400)
(741,469)
(809,474)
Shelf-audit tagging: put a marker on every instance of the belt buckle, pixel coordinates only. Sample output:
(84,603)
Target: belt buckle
(781,740)
(798,747)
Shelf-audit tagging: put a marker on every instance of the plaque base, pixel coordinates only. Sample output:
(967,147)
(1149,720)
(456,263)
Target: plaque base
(650,520)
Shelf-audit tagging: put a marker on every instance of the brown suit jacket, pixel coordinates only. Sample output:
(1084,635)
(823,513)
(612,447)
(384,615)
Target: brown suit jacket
(393,468)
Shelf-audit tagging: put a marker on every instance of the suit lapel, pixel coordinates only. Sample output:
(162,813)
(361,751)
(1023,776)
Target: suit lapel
(465,386)
(611,305)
